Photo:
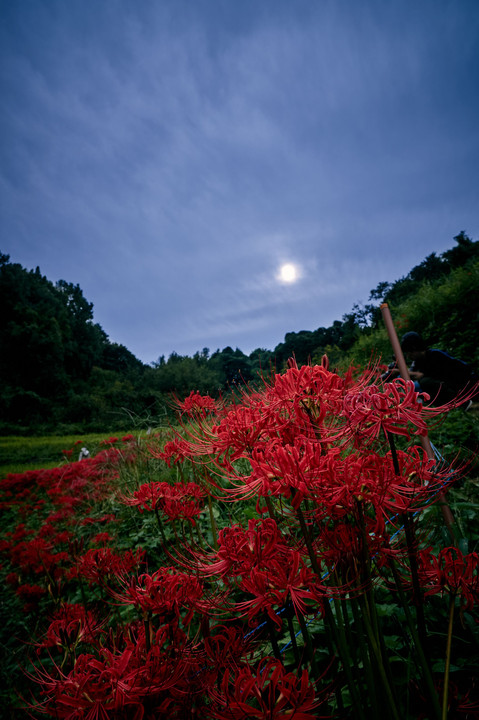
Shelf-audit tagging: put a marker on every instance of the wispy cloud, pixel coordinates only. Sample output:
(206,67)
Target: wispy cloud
(169,156)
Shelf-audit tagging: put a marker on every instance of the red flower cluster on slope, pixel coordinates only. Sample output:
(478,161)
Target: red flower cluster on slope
(71,625)
(451,572)
(102,566)
(196,403)
(181,501)
(267,692)
(392,409)
(166,592)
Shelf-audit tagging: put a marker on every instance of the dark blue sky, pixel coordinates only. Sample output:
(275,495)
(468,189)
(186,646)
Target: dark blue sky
(170,155)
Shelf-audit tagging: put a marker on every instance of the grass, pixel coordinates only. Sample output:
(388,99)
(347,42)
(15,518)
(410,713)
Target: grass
(19,454)
(131,529)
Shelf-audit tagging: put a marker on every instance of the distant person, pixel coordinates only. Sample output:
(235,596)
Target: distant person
(437,373)
(84,453)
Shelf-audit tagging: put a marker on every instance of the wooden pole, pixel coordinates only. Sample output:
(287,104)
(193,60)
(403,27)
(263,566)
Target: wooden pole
(425,442)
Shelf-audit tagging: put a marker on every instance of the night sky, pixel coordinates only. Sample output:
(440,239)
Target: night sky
(170,156)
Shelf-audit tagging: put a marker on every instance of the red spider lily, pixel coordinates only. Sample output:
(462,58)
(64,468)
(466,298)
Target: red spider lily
(312,388)
(36,556)
(272,588)
(165,593)
(178,502)
(450,572)
(101,538)
(148,496)
(197,404)
(269,692)
(227,647)
(287,470)
(391,409)
(239,431)
(174,451)
(114,684)
(340,547)
(242,549)
(70,625)
(102,565)
(30,595)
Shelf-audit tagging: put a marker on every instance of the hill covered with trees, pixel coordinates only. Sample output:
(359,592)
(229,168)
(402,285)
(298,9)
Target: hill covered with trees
(59,371)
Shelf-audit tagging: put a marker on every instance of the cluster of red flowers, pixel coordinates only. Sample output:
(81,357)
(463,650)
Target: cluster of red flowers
(318,504)
(181,501)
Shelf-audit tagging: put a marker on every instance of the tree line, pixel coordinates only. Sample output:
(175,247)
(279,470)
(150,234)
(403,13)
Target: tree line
(59,371)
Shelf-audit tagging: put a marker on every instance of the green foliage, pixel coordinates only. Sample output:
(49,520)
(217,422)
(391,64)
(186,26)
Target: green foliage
(445,312)
(18,453)
(60,372)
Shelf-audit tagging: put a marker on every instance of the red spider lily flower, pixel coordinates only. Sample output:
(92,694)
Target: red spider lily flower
(312,388)
(183,502)
(148,496)
(227,646)
(340,547)
(101,538)
(450,572)
(269,692)
(392,409)
(70,625)
(197,404)
(178,502)
(36,556)
(165,593)
(30,595)
(240,549)
(272,588)
(175,451)
(101,566)
(290,470)
(239,431)
(114,684)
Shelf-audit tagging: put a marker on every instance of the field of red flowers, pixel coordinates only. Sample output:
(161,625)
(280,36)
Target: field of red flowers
(290,554)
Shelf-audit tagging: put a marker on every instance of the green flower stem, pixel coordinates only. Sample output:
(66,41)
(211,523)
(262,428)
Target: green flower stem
(214,529)
(417,643)
(270,506)
(309,543)
(292,635)
(366,659)
(339,639)
(307,644)
(418,600)
(375,648)
(345,659)
(160,525)
(447,667)
(370,617)
(272,636)
(412,554)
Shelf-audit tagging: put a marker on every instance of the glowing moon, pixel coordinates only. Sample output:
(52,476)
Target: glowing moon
(288,273)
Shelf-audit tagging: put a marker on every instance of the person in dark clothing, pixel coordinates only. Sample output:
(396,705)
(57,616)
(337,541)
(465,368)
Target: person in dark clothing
(440,375)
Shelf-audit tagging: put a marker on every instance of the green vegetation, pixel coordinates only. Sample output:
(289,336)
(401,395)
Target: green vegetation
(60,373)
(19,453)
(75,536)
(296,562)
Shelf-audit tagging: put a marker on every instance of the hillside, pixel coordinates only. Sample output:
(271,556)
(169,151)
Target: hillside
(59,371)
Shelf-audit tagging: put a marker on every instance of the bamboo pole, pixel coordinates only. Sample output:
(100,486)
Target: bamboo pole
(425,442)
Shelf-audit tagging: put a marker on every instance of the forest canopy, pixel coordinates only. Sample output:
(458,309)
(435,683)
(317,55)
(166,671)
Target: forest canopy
(59,370)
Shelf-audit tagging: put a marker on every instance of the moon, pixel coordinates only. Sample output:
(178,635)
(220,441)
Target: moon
(288,273)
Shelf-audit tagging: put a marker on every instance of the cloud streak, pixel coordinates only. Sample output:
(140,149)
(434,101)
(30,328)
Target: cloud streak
(169,156)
